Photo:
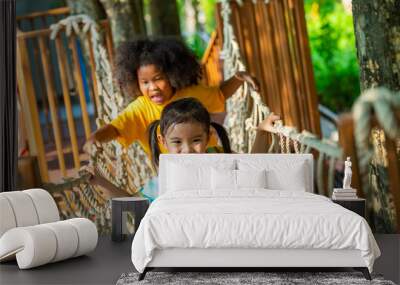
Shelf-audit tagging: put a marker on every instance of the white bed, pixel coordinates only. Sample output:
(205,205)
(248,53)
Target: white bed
(215,211)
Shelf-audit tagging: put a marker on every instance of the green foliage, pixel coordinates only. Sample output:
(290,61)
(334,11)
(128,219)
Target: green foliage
(334,56)
(332,41)
(209,9)
(196,44)
(198,41)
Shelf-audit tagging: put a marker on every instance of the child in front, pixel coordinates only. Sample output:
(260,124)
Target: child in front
(185,127)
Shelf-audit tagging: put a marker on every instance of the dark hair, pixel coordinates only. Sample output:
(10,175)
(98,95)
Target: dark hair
(171,56)
(184,111)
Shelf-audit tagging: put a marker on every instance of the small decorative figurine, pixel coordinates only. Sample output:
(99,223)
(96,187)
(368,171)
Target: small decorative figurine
(347,174)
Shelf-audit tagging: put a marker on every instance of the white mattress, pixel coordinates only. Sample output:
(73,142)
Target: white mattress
(252,219)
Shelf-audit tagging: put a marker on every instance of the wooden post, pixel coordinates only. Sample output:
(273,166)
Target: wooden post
(93,72)
(52,102)
(62,66)
(39,73)
(272,79)
(298,81)
(79,82)
(109,43)
(30,109)
(311,100)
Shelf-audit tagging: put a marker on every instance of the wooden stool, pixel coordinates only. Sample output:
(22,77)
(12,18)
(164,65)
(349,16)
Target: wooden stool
(136,205)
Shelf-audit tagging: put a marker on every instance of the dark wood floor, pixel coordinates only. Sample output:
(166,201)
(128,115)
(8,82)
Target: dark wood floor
(102,266)
(110,260)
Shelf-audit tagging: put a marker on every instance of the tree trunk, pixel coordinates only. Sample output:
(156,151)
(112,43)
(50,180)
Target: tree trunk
(377,29)
(138,11)
(127,19)
(195,4)
(164,18)
(92,8)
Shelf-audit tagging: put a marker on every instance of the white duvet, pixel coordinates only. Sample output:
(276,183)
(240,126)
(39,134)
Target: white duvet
(253,218)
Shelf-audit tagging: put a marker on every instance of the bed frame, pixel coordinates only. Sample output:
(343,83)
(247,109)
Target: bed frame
(242,258)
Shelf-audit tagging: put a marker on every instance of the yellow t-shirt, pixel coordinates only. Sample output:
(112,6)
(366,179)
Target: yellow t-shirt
(132,123)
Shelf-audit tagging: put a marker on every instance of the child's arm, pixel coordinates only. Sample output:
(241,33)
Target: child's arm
(228,87)
(260,142)
(102,135)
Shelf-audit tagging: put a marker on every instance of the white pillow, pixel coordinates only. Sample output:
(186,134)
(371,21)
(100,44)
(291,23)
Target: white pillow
(192,175)
(281,174)
(183,177)
(251,178)
(225,179)
(292,179)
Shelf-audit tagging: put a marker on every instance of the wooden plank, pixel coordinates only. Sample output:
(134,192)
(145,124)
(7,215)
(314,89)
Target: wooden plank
(47,32)
(295,65)
(252,46)
(311,92)
(212,70)
(304,93)
(220,29)
(256,27)
(70,76)
(292,110)
(39,73)
(218,68)
(288,115)
(303,67)
(93,73)
(276,68)
(62,66)
(210,46)
(109,41)
(30,109)
(56,11)
(268,64)
(34,34)
(236,24)
(79,82)
(52,102)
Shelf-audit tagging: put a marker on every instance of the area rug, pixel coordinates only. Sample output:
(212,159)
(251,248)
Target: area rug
(225,278)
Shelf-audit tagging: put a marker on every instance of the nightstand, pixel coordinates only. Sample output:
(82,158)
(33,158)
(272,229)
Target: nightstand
(355,205)
(136,205)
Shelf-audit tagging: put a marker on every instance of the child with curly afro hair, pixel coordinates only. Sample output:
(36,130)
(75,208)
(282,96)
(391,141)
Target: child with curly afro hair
(158,72)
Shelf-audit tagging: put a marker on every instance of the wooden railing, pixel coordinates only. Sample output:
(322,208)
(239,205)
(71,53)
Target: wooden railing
(57,82)
(273,41)
(42,19)
(212,71)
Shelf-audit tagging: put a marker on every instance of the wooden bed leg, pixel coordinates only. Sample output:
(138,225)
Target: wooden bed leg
(364,271)
(143,274)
